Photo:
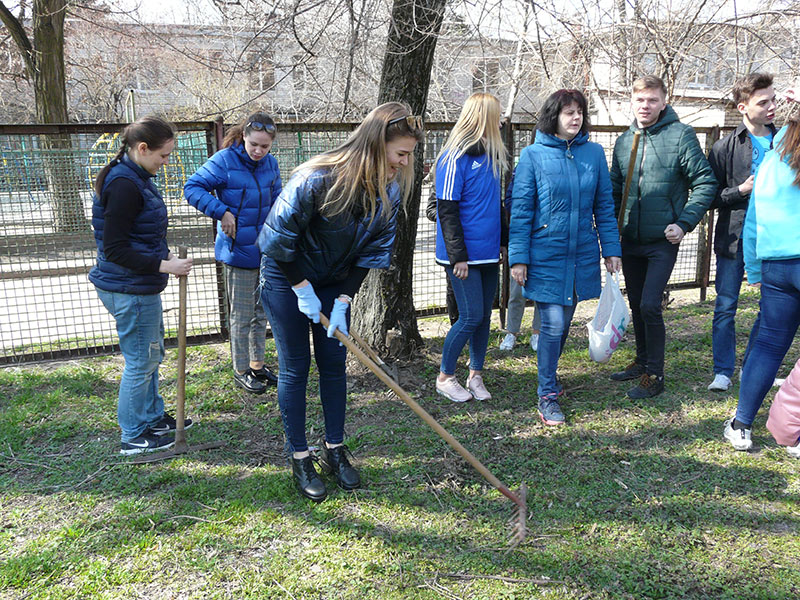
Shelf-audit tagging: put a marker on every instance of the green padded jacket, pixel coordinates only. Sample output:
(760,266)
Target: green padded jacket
(669,165)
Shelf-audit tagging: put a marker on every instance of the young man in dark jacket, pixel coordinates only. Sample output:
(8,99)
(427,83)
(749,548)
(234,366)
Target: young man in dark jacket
(735,160)
(669,164)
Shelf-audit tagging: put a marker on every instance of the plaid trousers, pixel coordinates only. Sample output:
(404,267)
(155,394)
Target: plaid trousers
(246,318)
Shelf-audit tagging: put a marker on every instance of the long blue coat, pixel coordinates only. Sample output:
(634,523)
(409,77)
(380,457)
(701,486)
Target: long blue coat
(561,206)
(243,187)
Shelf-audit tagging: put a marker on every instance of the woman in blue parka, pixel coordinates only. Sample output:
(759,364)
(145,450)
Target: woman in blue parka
(245,179)
(334,221)
(561,205)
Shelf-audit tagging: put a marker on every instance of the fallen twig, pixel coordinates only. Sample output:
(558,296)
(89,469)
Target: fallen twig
(467,576)
(193,518)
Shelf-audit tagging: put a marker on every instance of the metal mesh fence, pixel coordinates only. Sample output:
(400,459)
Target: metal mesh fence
(48,307)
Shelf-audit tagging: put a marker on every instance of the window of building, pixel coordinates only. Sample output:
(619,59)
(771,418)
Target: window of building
(485,75)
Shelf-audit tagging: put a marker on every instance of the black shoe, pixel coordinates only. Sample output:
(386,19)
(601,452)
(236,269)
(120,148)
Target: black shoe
(147,442)
(168,424)
(307,480)
(264,375)
(648,386)
(334,460)
(249,382)
(632,371)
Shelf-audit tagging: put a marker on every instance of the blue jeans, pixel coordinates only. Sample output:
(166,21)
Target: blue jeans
(140,326)
(556,320)
(727,283)
(475,297)
(290,332)
(780,318)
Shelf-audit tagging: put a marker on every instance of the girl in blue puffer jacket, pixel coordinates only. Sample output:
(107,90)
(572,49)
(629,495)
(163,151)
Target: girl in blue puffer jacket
(334,221)
(245,179)
(562,205)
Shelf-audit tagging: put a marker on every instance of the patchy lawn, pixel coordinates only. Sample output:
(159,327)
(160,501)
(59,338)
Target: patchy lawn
(632,499)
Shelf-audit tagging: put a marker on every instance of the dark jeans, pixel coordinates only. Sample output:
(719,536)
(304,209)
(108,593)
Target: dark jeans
(727,283)
(647,268)
(290,331)
(475,297)
(780,318)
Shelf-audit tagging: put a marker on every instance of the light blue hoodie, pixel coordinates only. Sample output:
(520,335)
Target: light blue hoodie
(772,225)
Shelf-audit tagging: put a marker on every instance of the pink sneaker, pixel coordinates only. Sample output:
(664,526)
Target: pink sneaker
(452,390)
(477,389)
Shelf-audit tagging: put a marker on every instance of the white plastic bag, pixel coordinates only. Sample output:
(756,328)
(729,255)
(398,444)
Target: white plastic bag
(609,323)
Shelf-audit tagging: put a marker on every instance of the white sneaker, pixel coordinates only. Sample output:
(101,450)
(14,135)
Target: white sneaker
(508,342)
(452,390)
(534,341)
(721,383)
(778,381)
(793,451)
(739,438)
(477,389)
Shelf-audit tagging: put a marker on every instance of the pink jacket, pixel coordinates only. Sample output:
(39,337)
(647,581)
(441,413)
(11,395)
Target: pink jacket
(784,415)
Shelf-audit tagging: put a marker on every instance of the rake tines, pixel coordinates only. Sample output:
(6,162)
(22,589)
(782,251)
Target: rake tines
(517,522)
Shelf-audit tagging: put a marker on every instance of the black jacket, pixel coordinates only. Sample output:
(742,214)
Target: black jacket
(731,159)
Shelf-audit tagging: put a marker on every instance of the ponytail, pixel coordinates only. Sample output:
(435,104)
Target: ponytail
(152,131)
(262,121)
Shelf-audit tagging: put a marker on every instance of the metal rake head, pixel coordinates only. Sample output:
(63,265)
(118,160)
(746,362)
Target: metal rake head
(519,530)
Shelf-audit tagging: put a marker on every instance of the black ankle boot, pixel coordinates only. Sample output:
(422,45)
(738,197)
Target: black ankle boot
(307,480)
(334,460)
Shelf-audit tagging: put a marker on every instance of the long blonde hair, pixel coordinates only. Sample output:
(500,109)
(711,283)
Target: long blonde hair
(359,167)
(479,122)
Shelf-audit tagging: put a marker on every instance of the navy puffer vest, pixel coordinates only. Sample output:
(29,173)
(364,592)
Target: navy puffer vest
(148,235)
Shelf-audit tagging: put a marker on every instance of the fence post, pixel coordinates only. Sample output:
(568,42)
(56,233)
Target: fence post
(218,135)
(705,237)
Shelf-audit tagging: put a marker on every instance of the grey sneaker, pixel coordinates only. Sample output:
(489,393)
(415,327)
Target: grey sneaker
(740,439)
(550,411)
(535,342)
(721,383)
(508,342)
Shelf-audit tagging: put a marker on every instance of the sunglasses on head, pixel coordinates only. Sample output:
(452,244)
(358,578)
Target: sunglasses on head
(258,126)
(414,122)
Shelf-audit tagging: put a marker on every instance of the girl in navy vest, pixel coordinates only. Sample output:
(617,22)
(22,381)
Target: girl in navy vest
(245,179)
(133,263)
(468,171)
(561,206)
(334,220)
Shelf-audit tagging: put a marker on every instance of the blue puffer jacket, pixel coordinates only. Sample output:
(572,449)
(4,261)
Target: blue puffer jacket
(148,235)
(561,204)
(246,189)
(324,249)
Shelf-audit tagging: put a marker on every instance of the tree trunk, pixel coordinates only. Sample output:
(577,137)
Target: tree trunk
(49,84)
(386,300)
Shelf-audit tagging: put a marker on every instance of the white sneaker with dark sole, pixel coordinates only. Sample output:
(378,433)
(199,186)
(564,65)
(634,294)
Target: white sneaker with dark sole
(740,439)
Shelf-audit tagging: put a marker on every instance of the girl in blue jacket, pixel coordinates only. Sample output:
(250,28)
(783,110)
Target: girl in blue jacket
(245,181)
(334,220)
(129,219)
(771,247)
(467,175)
(561,205)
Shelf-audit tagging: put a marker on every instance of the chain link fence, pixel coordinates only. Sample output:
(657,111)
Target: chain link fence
(48,307)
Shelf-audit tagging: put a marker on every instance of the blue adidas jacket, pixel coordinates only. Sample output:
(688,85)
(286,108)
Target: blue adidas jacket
(245,188)
(470,181)
(562,205)
(325,248)
(148,235)
(772,225)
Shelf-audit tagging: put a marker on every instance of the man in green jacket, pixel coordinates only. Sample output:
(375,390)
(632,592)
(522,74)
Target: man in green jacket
(671,189)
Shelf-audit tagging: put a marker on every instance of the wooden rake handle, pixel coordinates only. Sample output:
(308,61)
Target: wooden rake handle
(421,412)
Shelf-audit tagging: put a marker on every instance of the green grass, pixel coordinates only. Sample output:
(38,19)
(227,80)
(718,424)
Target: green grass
(632,499)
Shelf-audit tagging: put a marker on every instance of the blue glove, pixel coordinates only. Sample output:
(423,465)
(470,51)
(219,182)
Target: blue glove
(338,318)
(307,302)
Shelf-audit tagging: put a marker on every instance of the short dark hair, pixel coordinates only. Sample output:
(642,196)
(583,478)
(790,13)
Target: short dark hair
(555,103)
(747,86)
